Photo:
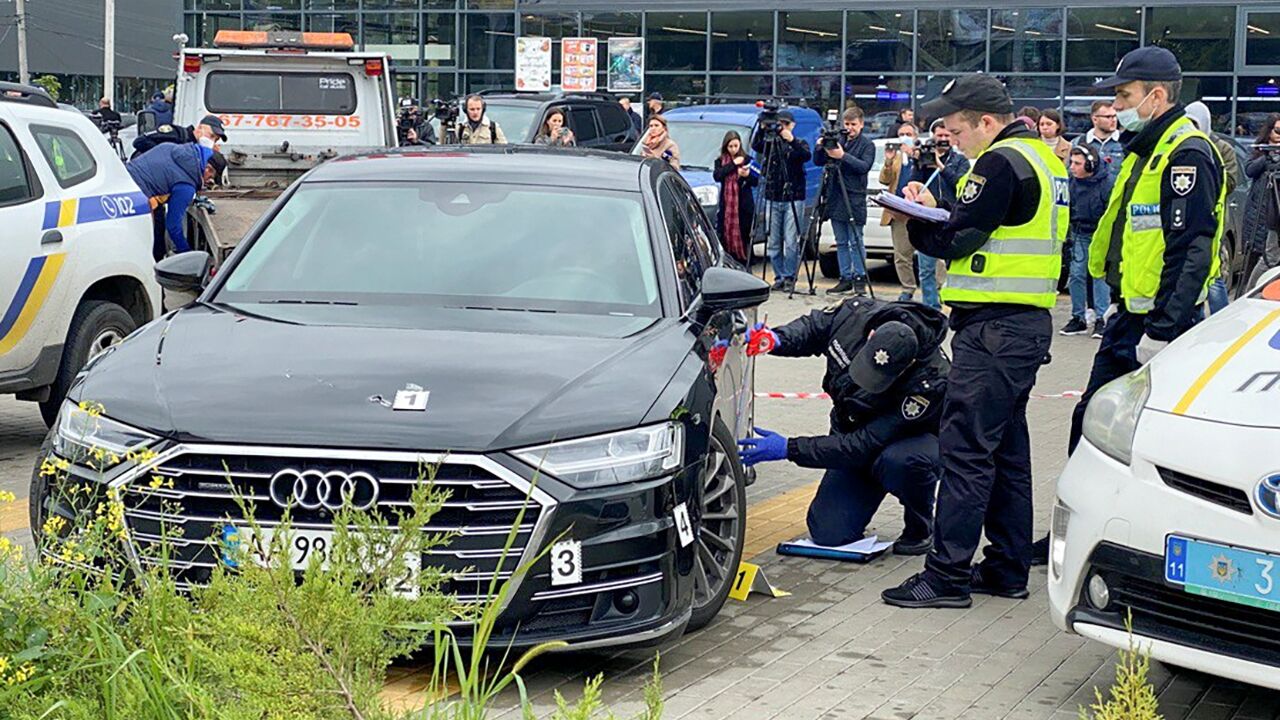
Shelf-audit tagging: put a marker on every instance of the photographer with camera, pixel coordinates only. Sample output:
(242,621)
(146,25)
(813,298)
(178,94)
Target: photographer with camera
(554,132)
(412,129)
(108,122)
(783,156)
(847,196)
(107,115)
(478,129)
(938,168)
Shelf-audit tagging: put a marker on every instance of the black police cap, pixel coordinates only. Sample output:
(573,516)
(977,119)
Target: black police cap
(885,355)
(1151,63)
(215,123)
(978,92)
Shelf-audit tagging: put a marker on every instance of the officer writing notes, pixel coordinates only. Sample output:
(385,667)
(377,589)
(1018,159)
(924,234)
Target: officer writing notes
(1004,243)
(1157,243)
(886,376)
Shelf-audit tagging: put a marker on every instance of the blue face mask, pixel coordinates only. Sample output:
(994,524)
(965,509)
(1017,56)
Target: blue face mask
(1129,118)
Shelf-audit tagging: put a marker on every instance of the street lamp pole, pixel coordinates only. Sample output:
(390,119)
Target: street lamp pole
(109,52)
(24,73)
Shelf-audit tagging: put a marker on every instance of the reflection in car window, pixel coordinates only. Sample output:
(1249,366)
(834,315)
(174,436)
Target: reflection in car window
(14,185)
(705,240)
(273,92)
(458,244)
(689,266)
(514,120)
(67,154)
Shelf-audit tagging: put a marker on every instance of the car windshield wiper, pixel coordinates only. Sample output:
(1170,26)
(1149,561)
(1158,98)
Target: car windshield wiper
(301,301)
(501,309)
(686,166)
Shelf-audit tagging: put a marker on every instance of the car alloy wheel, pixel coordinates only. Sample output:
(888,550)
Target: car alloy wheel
(718,546)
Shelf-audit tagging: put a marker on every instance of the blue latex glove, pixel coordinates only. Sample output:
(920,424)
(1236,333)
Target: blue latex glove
(760,340)
(766,448)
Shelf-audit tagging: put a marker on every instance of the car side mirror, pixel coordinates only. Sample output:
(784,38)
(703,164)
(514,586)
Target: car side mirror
(185,272)
(146,121)
(726,290)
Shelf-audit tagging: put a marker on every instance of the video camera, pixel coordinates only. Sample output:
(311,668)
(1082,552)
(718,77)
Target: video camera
(768,120)
(833,133)
(1271,151)
(446,111)
(109,127)
(929,149)
(408,118)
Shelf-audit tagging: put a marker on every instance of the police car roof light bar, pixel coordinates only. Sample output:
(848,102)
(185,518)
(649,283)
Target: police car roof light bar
(283,39)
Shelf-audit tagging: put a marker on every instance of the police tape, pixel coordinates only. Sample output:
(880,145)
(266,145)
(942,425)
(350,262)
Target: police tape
(825,396)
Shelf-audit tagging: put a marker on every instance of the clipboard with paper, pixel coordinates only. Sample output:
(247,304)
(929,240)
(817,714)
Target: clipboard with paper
(910,209)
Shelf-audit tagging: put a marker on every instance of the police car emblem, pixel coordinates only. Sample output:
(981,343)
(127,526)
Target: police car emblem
(972,188)
(914,406)
(882,357)
(1182,178)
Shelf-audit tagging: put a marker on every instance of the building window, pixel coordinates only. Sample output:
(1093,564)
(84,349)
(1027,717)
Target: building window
(741,88)
(953,40)
(822,92)
(475,82)
(1098,37)
(491,41)
(607,25)
(388,4)
(439,31)
(1215,92)
(272,5)
(334,22)
(489,4)
(1262,38)
(881,98)
(331,4)
(209,25)
(674,87)
(675,41)
(809,41)
(395,34)
(1202,38)
(879,40)
(1026,40)
(1078,97)
(742,41)
(272,21)
(1041,92)
(219,5)
(1257,99)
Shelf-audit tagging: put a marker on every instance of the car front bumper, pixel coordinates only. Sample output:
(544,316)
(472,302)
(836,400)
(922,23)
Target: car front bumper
(1119,519)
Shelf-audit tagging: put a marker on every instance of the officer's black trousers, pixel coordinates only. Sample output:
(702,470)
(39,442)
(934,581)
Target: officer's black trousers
(159,234)
(848,498)
(1117,355)
(986,451)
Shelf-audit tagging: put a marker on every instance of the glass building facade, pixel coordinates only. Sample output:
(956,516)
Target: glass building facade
(882,59)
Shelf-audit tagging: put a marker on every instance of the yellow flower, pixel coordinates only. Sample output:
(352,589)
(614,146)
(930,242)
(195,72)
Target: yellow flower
(9,549)
(4,664)
(7,497)
(54,524)
(92,408)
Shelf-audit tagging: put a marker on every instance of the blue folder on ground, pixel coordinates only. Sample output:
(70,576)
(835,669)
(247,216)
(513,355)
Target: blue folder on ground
(864,550)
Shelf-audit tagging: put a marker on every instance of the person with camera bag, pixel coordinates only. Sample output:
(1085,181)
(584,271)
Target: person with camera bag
(939,169)
(736,207)
(412,129)
(553,131)
(847,197)
(784,156)
(478,129)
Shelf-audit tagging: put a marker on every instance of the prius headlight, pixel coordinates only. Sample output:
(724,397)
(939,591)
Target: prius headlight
(1111,419)
(85,436)
(620,457)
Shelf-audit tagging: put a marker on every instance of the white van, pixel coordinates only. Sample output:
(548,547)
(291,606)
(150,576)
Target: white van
(75,265)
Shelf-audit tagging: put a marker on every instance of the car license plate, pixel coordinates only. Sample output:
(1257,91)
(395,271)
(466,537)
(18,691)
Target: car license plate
(1237,575)
(308,545)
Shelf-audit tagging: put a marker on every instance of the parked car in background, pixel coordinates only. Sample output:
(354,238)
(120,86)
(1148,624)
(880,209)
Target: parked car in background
(597,120)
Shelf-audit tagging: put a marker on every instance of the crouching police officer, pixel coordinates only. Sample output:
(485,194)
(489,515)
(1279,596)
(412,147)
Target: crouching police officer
(886,376)
(170,176)
(1003,242)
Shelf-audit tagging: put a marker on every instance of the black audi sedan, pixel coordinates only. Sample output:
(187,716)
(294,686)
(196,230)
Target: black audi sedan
(557,329)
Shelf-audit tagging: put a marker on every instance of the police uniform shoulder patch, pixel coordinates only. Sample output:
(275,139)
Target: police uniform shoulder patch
(914,406)
(972,188)
(1182,178)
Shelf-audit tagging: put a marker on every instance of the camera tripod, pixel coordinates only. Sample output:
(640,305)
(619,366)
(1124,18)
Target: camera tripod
(762,226)
(819,215)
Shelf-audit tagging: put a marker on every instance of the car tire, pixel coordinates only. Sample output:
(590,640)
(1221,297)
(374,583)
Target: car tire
(829,264)
(96,325)
(723,527)
(36,491)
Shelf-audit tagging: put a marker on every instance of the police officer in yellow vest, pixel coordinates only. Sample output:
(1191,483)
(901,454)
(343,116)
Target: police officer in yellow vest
(1157,244)
(1003,243)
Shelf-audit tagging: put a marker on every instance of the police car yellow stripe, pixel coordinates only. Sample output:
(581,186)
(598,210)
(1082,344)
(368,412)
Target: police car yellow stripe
(1216,366)
(34,289)
(67,214)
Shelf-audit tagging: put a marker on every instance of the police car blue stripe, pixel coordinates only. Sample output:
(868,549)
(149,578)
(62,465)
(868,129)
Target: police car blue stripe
(98,207)
(51,211)
(19,300)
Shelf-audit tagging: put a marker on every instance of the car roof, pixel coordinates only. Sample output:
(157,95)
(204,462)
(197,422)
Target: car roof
(545,97)
(734,114)
(518,164)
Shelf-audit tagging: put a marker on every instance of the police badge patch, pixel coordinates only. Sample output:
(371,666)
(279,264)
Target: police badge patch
(1182,178)
(972,188)
(914,406)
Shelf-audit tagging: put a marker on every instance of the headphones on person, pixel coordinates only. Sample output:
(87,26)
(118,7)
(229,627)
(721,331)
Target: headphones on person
(1091,159)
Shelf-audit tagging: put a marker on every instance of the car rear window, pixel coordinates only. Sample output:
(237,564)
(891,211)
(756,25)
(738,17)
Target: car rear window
(275,92)
(615,120)
(582,120)
(66,153)
(15,186)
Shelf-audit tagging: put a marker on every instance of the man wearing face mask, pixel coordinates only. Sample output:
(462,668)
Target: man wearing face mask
(206,133)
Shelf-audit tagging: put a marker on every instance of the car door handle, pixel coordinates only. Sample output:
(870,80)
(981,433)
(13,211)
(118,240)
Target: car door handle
(51,237)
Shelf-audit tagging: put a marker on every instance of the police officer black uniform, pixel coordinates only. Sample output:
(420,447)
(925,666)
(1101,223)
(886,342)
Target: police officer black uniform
(210,126)
(886,375)
(1003,244)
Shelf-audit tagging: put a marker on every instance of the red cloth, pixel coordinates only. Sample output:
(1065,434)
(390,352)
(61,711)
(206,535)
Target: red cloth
(732,231)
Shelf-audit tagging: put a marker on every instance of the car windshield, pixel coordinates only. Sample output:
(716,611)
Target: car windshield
(700,141)
(460,245)
(514,119)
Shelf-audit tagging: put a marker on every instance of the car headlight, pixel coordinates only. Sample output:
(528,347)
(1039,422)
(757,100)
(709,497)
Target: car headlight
(707,194)
(620,457)
(85,436)
(1111,419)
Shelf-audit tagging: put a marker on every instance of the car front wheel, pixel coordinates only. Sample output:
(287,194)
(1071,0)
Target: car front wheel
(96,326)
(718,546)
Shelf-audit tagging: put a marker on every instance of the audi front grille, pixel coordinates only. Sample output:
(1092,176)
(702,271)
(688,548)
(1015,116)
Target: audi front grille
(485,500)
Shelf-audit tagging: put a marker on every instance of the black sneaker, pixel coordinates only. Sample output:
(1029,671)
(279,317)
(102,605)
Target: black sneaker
(842,288)
(1075,327)
(979,585)
(918,592)
(1098,326)
(1040,552)
(779,283)
(907,546)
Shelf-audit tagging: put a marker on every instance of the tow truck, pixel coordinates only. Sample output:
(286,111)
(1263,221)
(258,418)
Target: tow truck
(289,100)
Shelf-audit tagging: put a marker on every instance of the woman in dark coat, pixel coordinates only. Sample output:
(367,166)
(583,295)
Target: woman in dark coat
(1260,212)
(736,209)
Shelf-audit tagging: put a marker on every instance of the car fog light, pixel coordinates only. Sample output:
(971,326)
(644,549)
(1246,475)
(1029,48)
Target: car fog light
(1099,593)
(626,602)
(1058,538)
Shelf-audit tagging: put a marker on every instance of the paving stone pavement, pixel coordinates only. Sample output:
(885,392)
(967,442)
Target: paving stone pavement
(832,650)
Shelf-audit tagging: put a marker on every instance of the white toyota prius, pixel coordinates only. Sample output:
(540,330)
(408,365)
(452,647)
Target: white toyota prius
(1169,510)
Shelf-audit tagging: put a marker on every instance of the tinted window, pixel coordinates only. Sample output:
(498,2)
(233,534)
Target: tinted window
(704,236)
(513,120)
(615,120)
(689,265)
(15,185)
(268,92)
(582,120)
(414,244)
(66,153)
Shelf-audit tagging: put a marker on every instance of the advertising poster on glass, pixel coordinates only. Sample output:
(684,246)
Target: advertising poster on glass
(533,64)
(626,64)
(578,61)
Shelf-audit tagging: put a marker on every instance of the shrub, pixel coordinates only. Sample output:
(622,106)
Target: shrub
(1131,697)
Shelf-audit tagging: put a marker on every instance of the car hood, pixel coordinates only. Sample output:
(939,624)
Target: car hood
(1226,369)
(206,375)
(697,178)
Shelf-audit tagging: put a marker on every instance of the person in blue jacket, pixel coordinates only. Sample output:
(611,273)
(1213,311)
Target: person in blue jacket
(1091,182)
(169,175)
(163,109)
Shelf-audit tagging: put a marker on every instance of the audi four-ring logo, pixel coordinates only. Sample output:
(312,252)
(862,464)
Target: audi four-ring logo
(329,489)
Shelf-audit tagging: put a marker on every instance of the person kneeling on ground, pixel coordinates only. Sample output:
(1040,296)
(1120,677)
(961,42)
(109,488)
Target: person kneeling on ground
(886,375)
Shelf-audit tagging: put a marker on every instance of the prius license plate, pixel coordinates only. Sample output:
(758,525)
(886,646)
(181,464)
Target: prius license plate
(1223,572)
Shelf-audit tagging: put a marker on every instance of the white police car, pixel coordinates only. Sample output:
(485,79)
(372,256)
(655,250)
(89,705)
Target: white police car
(1169,510)
(75,261)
